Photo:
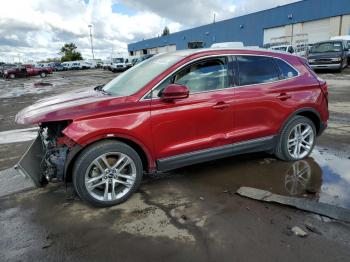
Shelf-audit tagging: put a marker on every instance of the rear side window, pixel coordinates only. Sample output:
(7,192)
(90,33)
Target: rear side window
(256,70)
(286,70)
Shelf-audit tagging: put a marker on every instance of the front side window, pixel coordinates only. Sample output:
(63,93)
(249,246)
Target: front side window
(207,75)
(256,70)
(204,76)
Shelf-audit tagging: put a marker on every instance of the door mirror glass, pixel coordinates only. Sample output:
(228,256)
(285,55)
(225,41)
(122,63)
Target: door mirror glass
(175,91)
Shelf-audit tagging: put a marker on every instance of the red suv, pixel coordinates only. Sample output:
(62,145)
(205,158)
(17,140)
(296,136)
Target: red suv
(173,110)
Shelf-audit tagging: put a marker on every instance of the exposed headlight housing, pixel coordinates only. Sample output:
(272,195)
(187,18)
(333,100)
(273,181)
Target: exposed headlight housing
(5,72)
(311,60)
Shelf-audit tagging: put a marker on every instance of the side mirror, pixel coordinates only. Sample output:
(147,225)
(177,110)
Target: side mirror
(175,91)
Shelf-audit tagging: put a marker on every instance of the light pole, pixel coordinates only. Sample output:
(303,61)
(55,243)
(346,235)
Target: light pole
(92,48)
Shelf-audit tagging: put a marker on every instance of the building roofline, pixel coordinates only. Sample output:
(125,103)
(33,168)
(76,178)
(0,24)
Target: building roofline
(221,21)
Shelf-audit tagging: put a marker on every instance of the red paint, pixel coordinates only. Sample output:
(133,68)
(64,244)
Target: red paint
(27,70)
(164,128)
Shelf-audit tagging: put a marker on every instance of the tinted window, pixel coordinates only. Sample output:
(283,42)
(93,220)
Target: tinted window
(286,70)
(256,69)
(200,77)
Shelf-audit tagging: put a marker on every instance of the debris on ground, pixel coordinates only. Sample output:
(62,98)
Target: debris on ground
(313,229)
(300,203)
(299,232)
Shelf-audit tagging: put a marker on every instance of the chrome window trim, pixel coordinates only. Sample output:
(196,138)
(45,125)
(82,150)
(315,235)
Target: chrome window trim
(143,98)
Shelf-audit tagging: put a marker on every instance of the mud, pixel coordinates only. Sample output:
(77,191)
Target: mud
(189,214)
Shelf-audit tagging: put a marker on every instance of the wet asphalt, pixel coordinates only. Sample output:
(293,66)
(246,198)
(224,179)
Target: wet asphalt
(189,214)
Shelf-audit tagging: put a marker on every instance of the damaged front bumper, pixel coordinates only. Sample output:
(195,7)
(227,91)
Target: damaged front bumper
(44,161)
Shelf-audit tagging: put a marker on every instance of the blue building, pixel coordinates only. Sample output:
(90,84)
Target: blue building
(307,20)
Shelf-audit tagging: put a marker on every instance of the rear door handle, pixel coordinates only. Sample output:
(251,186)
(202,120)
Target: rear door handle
(284,96)
(221,105)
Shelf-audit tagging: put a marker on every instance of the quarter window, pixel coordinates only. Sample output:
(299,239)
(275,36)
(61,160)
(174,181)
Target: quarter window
(256,70)
(286,70)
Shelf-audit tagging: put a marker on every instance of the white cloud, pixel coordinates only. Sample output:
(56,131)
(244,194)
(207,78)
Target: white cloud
(36,29)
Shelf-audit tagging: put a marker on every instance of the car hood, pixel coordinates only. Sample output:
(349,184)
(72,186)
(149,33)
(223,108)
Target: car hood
(67,106)
(324,55)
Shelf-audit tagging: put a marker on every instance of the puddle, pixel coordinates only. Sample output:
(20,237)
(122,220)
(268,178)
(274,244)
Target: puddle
(15,88)
(18,135)
(323,177)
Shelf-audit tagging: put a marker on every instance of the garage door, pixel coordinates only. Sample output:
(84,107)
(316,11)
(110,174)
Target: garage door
(273,33)
(171,48)
(167,48)
(317,30)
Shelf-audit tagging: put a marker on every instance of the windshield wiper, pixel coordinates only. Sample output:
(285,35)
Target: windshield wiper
(100,89)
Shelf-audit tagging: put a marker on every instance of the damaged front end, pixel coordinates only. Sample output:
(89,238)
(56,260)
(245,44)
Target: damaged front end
(45,159)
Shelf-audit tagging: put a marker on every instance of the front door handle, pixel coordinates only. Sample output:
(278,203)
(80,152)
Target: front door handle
(284,96)
(221,105)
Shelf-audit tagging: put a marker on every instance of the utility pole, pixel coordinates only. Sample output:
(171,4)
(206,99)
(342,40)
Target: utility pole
(214,14)
(290,17)
(92,48)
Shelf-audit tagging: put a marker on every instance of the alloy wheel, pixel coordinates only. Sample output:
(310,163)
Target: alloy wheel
(300,140)
(110,176)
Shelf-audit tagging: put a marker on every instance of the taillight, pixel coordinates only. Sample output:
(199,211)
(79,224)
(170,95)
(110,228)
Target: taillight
(324,87)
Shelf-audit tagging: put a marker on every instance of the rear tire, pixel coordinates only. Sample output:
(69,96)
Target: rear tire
(107,173)
(296,140)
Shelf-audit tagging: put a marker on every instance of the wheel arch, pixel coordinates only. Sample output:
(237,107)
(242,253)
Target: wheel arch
(309,113)
(148,163)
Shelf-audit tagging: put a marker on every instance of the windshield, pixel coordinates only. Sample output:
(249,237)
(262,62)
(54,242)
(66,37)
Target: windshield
(326,47)
(141,74)
(118,60)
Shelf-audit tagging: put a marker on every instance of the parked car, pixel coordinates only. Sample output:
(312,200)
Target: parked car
(173,110)
(345,38)
(67,65)
(106,64)
(27,70)
(143,58)
(5,67)
(56,66)
(76,66)
(332,54)
(119,64)
(134,60)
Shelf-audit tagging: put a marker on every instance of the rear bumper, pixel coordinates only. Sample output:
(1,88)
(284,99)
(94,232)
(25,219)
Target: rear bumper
(326,66)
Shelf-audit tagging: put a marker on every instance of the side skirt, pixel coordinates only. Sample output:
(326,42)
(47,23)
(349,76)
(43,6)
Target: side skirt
(249,146)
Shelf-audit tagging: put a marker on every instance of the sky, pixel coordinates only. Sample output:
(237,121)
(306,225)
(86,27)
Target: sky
(36,29)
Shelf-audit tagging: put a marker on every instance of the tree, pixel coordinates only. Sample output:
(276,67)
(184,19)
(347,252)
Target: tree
(69,53)
(166,31)
(49,60)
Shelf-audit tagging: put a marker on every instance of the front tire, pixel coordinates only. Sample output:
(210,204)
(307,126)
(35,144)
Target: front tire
(43,74)
(296,140)
(107,173)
